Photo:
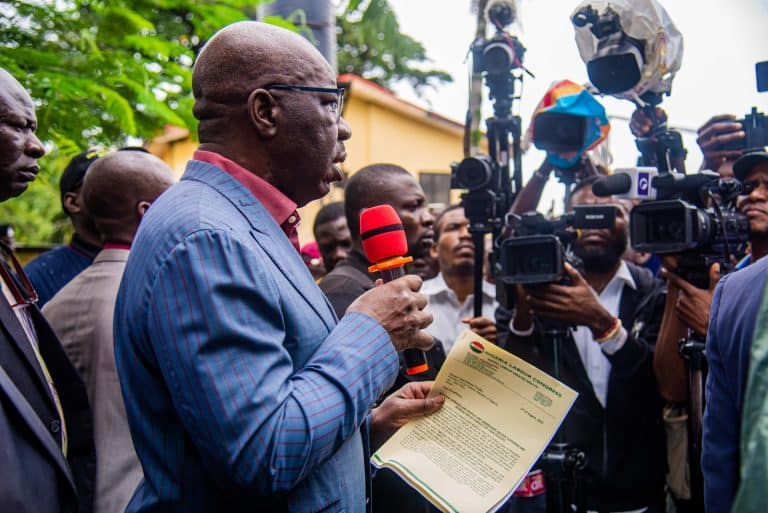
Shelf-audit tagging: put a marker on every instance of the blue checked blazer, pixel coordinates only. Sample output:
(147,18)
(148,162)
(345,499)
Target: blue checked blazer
(243,391)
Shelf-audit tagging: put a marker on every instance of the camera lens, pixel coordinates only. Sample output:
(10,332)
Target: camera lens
(473,173)
(615,68)
(532,259)
(498,58)
(559,132)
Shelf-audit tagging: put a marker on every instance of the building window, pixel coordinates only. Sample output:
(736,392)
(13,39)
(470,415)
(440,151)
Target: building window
(437,187)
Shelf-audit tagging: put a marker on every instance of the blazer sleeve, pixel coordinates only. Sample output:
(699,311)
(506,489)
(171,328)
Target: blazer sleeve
(720,430)
(217,325)
(643,328)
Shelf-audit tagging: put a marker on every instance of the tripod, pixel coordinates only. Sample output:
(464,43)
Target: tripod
(563,463)
(692,351)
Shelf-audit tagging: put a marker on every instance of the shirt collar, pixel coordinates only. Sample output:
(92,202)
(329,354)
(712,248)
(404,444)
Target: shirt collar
(280,207)
(623,274)
(437,285)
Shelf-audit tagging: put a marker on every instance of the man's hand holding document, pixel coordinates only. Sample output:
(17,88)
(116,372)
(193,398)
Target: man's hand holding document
(500,413)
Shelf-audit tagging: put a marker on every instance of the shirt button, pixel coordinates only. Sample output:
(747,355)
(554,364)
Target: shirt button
(55,426)
(292,219)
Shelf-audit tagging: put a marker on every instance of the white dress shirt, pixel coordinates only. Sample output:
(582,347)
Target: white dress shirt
(447,312)
(593,355)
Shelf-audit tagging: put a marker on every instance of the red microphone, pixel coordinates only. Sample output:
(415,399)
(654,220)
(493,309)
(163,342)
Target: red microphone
(384,244)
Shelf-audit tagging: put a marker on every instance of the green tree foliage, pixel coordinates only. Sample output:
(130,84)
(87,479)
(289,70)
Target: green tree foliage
(371,45)
(101,73)
(115,72)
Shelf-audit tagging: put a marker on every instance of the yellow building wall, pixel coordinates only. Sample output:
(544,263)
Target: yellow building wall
(415,139)
(174,153)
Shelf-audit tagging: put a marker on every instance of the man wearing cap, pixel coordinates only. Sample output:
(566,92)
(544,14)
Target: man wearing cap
(53,269)
(735,306)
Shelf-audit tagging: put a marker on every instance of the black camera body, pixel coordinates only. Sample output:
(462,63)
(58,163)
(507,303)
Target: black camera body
(538,247)
(496,58)
(485,200)
(704,228)
(755,126)
(559,132)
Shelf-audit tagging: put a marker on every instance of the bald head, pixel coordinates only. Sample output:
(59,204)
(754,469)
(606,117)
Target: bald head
(240,58)
(119,188)
(11,91)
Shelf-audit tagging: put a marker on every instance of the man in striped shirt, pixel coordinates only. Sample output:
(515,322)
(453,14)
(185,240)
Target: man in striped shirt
(243,391)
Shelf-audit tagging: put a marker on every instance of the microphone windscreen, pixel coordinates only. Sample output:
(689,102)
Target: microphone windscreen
(382,233)
(619,183)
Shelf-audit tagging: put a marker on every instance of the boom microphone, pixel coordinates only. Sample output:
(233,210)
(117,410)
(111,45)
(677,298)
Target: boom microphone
(384,244)
(628,183)
(612,184)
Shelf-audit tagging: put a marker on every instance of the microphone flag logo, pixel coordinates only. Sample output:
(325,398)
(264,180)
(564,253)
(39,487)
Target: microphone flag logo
(643,183)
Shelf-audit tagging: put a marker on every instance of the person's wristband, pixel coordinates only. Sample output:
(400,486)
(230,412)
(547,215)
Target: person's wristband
(610,333)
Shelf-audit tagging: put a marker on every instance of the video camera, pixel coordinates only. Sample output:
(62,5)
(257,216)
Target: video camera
(618,61)
(559,132)
(495,58)
(754,124)
(694,215)
(491,181)
(632,51)
(538,247)
(485,201)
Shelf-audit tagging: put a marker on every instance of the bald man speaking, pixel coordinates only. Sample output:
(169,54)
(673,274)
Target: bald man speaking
(243,391)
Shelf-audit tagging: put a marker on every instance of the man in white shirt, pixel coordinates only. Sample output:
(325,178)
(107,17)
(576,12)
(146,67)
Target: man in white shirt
(615,309)
(450,294)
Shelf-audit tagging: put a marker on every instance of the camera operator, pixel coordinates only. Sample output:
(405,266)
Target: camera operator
(615,310)
(688,307)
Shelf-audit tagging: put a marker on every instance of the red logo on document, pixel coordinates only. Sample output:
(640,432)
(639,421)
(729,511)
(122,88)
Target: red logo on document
(476,347)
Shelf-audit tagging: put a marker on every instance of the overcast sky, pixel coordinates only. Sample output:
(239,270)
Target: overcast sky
(723,39)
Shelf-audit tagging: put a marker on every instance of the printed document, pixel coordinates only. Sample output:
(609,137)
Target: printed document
(499,415)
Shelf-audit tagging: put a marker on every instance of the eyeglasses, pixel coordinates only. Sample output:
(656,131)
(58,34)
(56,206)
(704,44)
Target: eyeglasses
(18,283)
(747,186)
(338,91)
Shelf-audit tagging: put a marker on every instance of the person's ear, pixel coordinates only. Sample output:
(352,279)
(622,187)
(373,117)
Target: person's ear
(141,208)
(71,202)
(262,111)
(433,251)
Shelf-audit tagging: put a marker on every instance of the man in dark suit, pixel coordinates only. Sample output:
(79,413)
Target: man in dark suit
(735,306)
(373,185)
(47,457)
(609,315)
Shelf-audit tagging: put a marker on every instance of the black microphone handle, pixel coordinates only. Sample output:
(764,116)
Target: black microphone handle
(415,360)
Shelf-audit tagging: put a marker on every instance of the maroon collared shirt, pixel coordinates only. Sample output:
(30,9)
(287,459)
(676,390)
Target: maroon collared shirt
(279,206)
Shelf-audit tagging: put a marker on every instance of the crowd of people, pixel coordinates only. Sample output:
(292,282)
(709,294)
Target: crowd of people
(184,353)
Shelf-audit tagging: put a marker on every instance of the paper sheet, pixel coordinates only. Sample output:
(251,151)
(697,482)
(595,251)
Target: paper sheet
(499,415)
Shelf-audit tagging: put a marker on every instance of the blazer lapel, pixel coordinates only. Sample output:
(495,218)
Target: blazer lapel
(267,234)
(284,256)
(19,337)
(37,427)
(571,354)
